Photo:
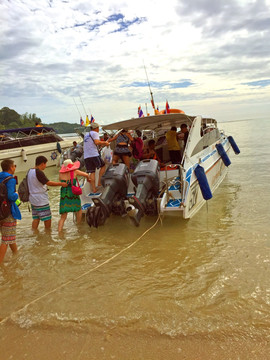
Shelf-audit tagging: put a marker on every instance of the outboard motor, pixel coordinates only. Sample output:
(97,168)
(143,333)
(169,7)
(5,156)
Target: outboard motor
(146,179)
(115,183)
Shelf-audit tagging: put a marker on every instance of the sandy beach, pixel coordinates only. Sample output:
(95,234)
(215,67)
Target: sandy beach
(59,344)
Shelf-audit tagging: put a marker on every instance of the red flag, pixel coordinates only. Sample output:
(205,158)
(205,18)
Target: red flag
(167,110)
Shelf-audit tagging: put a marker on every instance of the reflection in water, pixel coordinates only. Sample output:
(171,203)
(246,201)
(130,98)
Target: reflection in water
(207,277)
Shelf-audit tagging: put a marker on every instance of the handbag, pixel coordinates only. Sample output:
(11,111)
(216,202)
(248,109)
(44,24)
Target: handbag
(76,190)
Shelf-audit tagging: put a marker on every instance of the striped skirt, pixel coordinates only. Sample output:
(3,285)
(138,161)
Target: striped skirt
(8,230)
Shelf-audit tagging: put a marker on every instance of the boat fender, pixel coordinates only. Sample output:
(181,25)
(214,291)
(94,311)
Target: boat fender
(223,154)
(202,180)
(234,146)
(24,156)
(59,149)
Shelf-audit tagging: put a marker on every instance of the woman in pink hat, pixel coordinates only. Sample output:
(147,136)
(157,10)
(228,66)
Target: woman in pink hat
(69,202)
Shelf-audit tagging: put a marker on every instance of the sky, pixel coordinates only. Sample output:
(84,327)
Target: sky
(62,59)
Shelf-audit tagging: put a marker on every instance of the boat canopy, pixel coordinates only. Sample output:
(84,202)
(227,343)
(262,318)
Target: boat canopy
(21,137)
(155,122)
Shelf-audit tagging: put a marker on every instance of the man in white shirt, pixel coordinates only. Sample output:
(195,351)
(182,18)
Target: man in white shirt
(38,193)
(92,157)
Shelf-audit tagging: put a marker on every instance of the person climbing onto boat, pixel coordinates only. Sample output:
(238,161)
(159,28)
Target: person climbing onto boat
(122,149)
(173,146)
(69,202)
(92,157)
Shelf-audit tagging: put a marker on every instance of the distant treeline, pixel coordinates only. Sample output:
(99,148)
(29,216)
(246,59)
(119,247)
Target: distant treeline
(10,119)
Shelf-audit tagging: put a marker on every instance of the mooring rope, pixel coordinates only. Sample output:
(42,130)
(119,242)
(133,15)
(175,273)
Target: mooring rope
(82,275)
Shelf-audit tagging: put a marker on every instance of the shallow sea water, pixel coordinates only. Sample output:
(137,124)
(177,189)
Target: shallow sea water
(196,289)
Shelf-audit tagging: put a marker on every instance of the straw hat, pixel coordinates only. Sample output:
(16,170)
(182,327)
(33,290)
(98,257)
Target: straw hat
(68,165)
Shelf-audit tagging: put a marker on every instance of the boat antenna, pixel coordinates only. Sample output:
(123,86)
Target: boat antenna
(82,104)
(152,98)
(77,108)
(146,109)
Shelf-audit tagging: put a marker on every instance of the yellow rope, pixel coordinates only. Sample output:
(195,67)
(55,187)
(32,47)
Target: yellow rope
(82,275)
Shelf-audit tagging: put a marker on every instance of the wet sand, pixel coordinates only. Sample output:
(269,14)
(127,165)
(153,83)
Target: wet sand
(37,343)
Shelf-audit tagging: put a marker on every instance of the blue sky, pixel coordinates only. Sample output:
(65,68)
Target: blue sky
(204,57)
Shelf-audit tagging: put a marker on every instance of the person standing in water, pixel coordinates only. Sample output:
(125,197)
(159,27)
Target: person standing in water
(9,224)
(69,202)
(38,193)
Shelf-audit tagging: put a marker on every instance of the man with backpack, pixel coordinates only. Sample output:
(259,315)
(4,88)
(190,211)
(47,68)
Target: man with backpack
(38,193)
(9,223)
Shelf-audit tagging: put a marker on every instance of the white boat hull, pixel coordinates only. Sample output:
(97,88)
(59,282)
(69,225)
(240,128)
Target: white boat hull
(24,157)
(182,193)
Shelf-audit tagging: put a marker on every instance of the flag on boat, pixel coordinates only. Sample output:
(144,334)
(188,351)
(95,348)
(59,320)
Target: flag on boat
(167,110)
(92,119)
(152,102)
(140,112)
(87,123)
(81,121)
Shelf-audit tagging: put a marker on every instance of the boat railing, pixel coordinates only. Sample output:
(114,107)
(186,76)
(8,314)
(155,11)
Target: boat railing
(34,132)
(14,138)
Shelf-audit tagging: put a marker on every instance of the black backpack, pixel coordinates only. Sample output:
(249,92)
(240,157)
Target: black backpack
(23,190)
(4,202)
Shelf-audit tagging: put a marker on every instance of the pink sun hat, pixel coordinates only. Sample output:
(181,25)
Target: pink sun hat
(68,165)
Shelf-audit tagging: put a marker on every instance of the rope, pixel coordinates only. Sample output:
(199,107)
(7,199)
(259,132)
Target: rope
(82,275)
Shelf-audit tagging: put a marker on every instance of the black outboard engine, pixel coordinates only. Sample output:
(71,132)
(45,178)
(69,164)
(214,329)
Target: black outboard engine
(115,183)
(146,179)
(77,153)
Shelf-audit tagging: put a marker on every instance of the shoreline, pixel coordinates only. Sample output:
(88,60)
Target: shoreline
(96,343)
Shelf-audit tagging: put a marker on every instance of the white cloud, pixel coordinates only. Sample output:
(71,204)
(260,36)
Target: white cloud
(53,51)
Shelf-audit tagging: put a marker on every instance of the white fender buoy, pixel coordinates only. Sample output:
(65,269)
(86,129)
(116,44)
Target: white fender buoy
(24,156)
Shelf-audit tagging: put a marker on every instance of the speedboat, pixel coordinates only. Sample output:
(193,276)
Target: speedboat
(23,145)
(172,190)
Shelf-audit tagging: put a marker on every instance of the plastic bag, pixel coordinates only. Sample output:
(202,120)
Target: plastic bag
(107,154)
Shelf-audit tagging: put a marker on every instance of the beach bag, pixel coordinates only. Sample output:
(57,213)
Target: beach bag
(76,190)
(23,190)
(4,202)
